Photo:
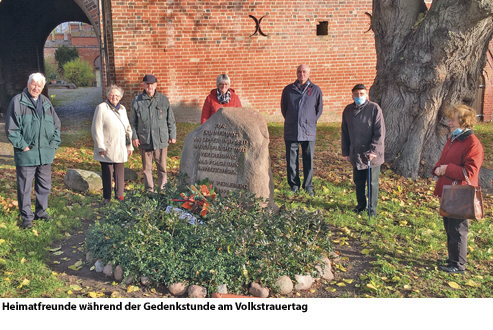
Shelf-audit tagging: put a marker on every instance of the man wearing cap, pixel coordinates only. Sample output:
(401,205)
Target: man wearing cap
(153,129)
(362,139)
(301,107)
(33,128)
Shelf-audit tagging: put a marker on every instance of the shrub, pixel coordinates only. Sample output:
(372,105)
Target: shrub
(79,72)
(238,243)
(50,70)
(65,54)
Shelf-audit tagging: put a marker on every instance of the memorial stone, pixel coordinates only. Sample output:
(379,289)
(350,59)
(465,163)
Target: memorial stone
(231,150)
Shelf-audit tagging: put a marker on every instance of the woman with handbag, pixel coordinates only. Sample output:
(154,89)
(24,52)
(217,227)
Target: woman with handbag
(459,163)
(112,134)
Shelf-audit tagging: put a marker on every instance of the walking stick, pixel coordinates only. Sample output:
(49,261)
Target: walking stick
(369,189)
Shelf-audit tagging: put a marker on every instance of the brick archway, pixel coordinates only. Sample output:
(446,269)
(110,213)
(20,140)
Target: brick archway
(24,27)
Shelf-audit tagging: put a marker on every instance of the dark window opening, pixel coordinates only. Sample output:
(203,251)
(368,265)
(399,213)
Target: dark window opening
(323,29)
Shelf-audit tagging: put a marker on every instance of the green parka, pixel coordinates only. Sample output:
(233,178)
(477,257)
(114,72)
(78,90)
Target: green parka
(24,128)
(152,121)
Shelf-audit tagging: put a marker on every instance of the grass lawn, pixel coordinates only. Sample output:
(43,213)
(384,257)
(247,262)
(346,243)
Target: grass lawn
(405,240)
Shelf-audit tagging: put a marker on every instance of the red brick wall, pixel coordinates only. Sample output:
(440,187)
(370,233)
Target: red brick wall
(187,44)
(84,41)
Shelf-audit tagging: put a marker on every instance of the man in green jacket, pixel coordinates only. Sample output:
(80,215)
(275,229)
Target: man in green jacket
(153,129)
(33,128)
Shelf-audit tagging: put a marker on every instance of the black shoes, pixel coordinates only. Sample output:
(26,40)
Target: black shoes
(294,189)
(359,209)
(45,217)
(451,269)
(310,192)
(27,223)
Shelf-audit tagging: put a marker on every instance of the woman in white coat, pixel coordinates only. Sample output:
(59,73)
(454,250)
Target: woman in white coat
(112,134)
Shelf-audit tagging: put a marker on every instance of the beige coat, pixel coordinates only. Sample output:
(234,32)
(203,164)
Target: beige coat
(108,133)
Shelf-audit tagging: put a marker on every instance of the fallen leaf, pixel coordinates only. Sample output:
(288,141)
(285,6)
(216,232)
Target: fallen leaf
(92,268)
(55,249)
(2,241)
(472,283)
(407,287)
(330,289)
(341,284)
(23,260)
(57,253)
(371,286)
(454,285)
(348,281)
(365,251)
(132,288)
(35,232)
(56,262)
(75,287)
(115,294)
(25,282)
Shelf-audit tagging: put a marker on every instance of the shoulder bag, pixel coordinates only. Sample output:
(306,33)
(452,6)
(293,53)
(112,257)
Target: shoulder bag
(461,201)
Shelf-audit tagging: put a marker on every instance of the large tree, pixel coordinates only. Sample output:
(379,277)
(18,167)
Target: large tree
(426,60)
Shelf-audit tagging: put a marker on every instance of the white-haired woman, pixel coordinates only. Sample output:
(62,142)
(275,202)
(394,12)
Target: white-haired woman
(221,97)
(112,134)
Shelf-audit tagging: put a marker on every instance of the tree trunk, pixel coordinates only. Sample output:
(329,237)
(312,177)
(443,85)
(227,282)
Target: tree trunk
(426,61)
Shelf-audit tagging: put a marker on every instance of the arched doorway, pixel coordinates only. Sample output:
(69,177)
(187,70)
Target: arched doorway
(73,35)
(24,28)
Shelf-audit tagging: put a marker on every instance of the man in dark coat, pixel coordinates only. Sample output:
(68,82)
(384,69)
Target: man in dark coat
(33,128)
(301,107)
(362,139)
(153,129)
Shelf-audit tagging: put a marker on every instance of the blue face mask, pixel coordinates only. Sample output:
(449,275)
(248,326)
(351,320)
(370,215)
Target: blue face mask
(457,131)
(359,100)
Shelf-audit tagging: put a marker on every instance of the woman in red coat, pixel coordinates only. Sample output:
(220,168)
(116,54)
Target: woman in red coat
(219,98)
(462,150)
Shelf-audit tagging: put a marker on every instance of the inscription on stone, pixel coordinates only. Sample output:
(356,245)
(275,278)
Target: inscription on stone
(219,152)
(231,150)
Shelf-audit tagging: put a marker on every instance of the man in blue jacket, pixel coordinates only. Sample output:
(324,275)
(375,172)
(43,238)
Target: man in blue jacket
(301,107)
(33,128)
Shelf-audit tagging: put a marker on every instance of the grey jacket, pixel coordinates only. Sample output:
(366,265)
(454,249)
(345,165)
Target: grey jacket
(363,132)
(152,121)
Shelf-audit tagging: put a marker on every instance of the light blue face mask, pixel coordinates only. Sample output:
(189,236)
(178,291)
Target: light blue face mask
(457,131)
(359,100)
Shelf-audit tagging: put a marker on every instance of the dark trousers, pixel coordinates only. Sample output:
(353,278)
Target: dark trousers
(42,187)
(360,178)
(456,230)
(292,163)
(112,171)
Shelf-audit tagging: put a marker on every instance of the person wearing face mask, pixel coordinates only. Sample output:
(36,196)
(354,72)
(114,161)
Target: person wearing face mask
(462,153)
(362,140)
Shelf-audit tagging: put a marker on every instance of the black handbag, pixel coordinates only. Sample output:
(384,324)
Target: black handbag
(461,201)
